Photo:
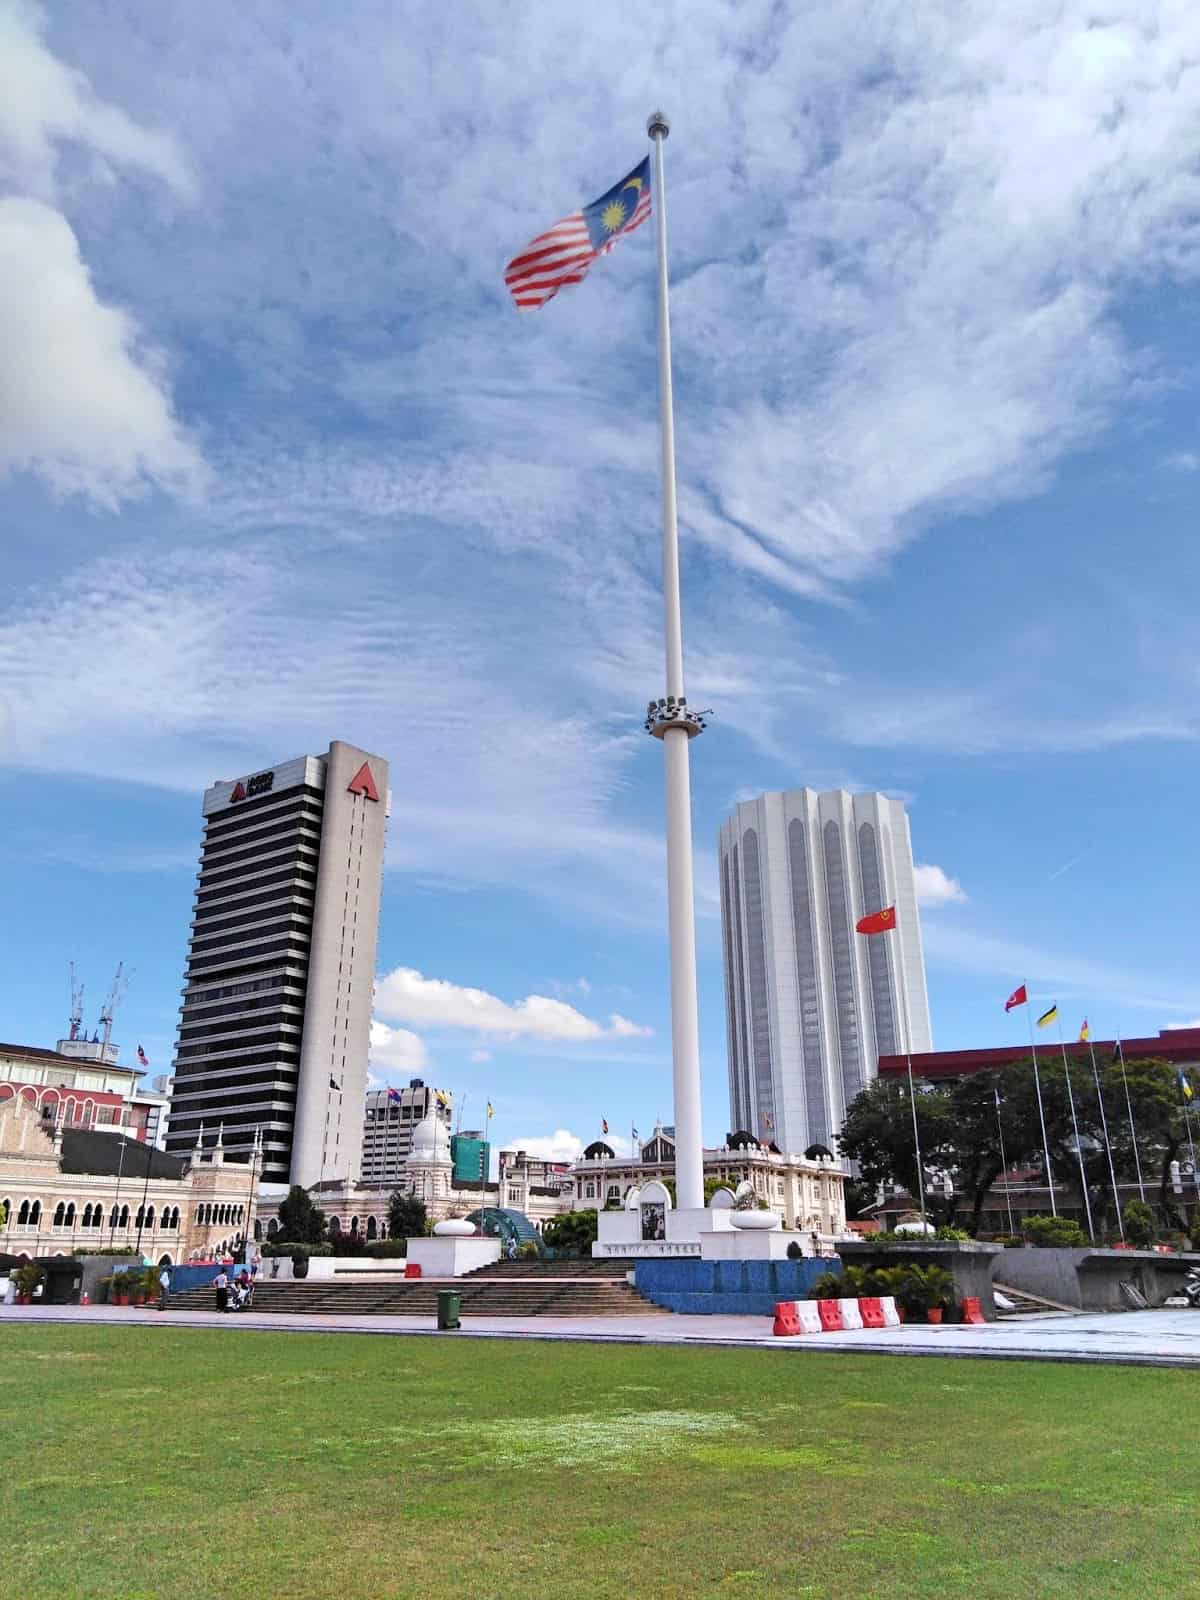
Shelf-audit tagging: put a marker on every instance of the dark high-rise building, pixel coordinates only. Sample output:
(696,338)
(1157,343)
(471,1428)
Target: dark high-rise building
(276,1012)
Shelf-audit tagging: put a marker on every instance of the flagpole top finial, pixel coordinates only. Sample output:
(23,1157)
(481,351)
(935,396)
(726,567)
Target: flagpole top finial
(658,125)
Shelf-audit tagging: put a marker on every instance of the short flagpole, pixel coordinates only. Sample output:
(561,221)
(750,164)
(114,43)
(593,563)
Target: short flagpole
(1037,1084)
(1087,1204)
(1004,1164)
(671,722)
(1112,1170)
(1137,1160)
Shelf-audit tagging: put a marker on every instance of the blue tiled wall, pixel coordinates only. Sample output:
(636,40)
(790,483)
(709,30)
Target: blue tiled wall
(702,1288)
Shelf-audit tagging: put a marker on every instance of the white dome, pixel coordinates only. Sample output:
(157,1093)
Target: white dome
(430,1140)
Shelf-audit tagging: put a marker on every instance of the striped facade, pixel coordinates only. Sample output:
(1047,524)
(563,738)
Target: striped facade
(281,963)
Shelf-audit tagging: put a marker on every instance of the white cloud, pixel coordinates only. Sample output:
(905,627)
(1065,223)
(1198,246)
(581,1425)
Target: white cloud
(397,1049)
(1183,461)
(563,1145)
(480,1055)
(82,402)
(935,887)
(409,996)
(83,395)
(1174,1027)
(44,103)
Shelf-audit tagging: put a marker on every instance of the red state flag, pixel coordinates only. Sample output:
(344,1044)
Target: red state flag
(878,922)
(1017,998)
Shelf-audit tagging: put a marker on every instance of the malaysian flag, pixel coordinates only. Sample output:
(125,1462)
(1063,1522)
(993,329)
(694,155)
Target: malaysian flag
(393,1097)
(143,1058)
(564,252)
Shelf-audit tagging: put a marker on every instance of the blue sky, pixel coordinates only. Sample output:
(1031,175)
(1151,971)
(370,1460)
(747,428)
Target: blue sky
(279,463)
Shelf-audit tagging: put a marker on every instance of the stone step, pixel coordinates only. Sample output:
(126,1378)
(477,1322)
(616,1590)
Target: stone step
(418,1297)
(1031,1305)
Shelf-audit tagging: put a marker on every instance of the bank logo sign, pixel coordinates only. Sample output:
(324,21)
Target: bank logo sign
(260,783)
(363,783)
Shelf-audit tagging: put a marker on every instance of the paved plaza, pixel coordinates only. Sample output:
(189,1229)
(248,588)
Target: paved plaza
(1137,1338)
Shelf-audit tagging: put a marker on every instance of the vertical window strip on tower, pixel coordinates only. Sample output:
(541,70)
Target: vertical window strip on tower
(878,950)
(815,1089)
(760,1009)
(843,962)
(732,978)
(743,1056)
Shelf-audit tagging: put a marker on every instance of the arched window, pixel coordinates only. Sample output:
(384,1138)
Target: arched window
(35,1213)
(87,1217)
(174,1216)
(272,1228)
(150,1217)
(123,1219)
(23,1214)
(60,1212)
(139,1220)
(372,1228)
(335,1225)
(70,1217)
(353,1224)
(112,1217)
(257,1231)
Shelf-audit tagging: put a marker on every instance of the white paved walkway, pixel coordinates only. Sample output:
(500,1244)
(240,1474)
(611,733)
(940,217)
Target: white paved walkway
(1142,1338)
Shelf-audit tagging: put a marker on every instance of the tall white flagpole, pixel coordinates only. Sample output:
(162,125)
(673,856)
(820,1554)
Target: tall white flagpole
(669,719)
(1137,1160)
(1087,1204)
(1112,1170)
(1037,1084)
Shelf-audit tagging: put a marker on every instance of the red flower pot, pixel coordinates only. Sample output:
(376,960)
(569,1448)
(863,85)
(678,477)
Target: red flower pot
(935,1315)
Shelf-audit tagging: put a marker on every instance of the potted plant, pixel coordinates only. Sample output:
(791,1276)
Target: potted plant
(936,1287)
(120,1288)
(26,1277)
(150,1284)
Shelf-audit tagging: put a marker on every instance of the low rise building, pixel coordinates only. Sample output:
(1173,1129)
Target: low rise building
(68,1187)
(806,1189)
(389,1118)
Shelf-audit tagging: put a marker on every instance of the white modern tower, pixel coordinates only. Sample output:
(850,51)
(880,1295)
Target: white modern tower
(811,1005)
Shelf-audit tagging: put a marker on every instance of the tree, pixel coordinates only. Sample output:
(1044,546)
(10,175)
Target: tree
(711,1185)
(878,1135)
(301,1221)
(1139,1224)
(406,1215)
(573,1231)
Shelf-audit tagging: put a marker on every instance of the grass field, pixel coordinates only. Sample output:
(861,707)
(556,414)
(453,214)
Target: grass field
(196,1463)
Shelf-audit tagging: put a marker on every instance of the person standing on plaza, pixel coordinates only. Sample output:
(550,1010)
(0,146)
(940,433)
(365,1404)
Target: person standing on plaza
(164,1287)
(221,1285)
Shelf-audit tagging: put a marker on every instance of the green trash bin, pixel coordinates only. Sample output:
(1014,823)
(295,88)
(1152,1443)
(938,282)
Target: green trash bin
(449,1306)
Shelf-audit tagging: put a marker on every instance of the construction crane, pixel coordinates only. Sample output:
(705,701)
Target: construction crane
(116,994)
(76,1018)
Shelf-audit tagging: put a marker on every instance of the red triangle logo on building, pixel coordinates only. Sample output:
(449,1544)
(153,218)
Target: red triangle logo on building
(363,783)
(239,793)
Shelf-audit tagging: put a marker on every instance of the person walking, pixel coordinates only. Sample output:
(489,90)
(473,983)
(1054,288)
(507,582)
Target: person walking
(221,1285)
(164,1287)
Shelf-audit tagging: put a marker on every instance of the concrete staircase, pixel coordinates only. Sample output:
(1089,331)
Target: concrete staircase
(1032,1305)
(484,1294)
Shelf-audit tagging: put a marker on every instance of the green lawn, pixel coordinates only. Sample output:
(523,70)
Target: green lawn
(190,1463)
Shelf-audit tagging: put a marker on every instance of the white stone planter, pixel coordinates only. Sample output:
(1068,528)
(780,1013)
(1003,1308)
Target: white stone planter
(756,1221)
(454,1228)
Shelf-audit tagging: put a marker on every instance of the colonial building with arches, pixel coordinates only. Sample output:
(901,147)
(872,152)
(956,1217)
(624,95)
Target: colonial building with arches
(65,1189)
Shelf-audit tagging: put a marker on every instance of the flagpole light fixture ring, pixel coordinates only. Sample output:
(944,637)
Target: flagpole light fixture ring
(658,124)
(669,712)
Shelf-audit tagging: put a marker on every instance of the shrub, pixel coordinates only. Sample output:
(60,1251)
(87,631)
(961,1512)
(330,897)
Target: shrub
(292,1247)
(827,1287)
(27,1277)
(387,1249)
(1055,1232)
(1138,1218)
(527,1250)
(949,1234)
(794,1251)
(854,1282)
(100,1250)
(886,1280)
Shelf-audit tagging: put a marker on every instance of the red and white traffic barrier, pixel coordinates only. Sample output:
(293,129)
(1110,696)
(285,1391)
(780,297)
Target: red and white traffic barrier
(793,1317)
